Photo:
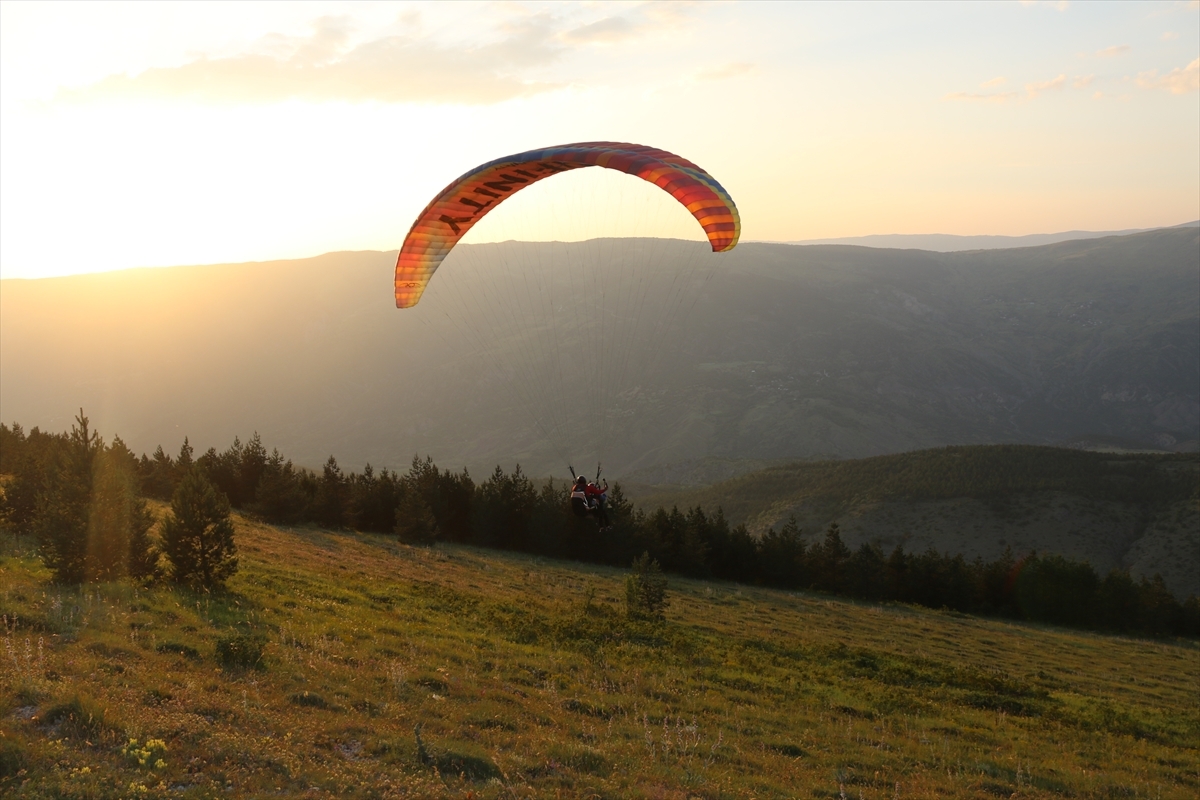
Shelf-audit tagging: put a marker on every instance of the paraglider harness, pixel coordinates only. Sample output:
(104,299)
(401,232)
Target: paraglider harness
(584,502)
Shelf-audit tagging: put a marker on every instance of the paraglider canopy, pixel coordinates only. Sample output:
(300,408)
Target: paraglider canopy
(469,198)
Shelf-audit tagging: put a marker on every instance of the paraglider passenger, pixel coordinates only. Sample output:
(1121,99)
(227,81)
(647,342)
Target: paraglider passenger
(597,498)
(588,498)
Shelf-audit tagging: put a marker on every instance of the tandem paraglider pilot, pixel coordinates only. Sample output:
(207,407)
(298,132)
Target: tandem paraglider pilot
(588,498)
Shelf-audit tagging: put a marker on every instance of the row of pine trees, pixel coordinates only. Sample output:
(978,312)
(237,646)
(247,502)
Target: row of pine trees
(82,500)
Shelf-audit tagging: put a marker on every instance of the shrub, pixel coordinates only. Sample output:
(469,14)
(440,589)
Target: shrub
(241,651)
(187,651)
(645,589)
(12,758)
(309,700)
(198,534)
(81,717)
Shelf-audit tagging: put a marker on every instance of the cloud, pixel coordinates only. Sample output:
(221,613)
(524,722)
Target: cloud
(604,31)
(993,82)
(1035,89)
(1169,36)
(1115,50)
(332,64)
(1032,90)
(325,66)
(731,70)
(1177,81)
(997,97)
(643,20)
(1057,5)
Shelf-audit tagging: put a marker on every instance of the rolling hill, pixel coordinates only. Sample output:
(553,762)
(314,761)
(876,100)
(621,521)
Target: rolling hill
(947,243)
(1138,512)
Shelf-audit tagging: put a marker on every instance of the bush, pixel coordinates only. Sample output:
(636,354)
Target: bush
(81,717)
(241,651)
(645,589)
(198,534)
(185,650)
(12,758)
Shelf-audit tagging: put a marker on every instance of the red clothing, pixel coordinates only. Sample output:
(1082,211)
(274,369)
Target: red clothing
(593,490)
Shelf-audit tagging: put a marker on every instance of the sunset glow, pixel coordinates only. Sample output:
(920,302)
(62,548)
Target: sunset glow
(159,134)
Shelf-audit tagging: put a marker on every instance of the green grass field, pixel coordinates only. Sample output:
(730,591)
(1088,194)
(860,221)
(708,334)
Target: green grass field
(526,680)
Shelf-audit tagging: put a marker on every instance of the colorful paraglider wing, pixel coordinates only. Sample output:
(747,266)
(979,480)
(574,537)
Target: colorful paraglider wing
(465,201)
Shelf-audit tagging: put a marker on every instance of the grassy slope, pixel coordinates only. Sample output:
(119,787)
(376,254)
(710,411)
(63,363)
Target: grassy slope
(1132,511)
(528,682)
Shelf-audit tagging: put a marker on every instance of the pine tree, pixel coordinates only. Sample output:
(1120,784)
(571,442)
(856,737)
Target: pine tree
(278,497)
(158,475)
(143,550)
(329,506)
(61,518)
(183,464)
(250,471)
(198,534)
(645,589)
(110,514)
(415,522)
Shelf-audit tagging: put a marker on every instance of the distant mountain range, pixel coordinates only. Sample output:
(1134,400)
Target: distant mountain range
(950,243)
(771,352)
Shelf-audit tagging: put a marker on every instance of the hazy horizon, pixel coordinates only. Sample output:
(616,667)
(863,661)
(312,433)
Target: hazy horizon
(887,241)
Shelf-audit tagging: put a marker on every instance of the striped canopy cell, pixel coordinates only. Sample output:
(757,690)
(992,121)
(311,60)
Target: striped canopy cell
(465,201)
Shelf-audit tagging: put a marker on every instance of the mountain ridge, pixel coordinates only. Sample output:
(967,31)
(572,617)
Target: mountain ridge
(950,243)
(788,353)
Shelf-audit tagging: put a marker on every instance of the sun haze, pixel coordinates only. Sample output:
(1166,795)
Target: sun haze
(160,134)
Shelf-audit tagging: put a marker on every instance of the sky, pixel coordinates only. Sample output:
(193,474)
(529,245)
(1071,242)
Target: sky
(155,134)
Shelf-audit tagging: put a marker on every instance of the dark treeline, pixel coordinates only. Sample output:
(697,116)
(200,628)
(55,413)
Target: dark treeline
(510,511)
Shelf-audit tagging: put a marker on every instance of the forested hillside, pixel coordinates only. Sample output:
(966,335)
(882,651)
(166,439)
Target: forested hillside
(1139,512)
(78,498)
(789,352)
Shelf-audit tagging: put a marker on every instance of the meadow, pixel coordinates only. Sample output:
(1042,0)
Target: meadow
(348,664)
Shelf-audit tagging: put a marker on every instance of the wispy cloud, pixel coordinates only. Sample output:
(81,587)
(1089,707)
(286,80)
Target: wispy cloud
(1114,50)
(984,97)
(1038,87)
(1177,81)
(1169,36)
(324,67)
(329,64)
(1033,90)
(643,20)
(604,31)
(1057,5)
(731,70)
